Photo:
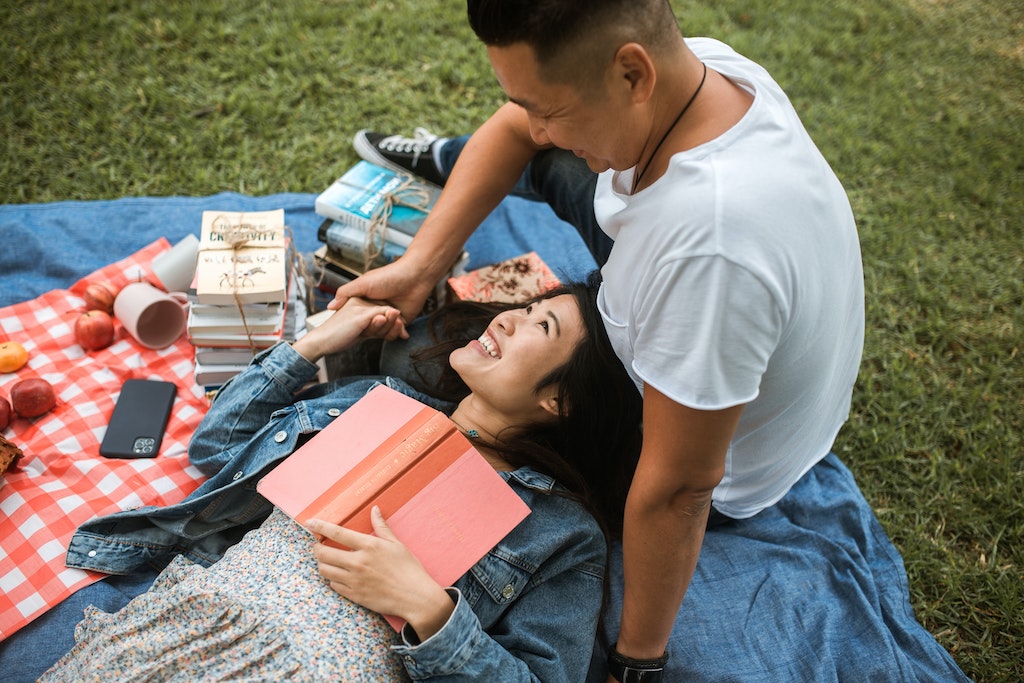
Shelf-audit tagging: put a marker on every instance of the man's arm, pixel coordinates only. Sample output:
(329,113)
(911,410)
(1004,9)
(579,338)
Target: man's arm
(682,460)
(487,169)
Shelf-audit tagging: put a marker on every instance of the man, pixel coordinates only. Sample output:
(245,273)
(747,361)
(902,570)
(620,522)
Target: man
(733,289)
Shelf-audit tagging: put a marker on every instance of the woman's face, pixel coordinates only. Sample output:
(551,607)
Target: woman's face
(519,348)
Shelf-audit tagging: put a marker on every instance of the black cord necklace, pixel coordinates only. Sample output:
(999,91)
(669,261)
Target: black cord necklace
(638,176)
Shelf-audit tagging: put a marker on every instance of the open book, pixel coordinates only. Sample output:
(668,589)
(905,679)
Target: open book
(437,493)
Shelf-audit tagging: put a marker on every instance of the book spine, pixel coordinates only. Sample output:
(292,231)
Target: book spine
(211,355)
(384,445)
(329,260)
(363,483)
(235,342)
(329,281)
(397,493)
(395,237)
(349,242)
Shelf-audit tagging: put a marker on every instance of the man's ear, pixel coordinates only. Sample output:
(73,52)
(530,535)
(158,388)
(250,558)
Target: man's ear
(633,64)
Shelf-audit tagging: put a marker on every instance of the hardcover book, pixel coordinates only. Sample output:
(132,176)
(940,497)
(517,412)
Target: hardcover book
(265,324)
(243,258)
(331,271)
(367,191)
(205,318)
(437,493)
(225,343)
(260,340)
(349,241)
(224,355)
(213,375)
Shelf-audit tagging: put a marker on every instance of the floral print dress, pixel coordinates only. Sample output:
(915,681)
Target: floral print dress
(261,613)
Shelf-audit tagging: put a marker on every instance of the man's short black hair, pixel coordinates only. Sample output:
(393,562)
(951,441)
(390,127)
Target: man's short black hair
(550,26)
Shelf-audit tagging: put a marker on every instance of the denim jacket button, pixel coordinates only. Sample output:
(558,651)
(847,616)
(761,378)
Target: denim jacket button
(334,412)
(238,475)
(92,553)
(508,591)
(281,436)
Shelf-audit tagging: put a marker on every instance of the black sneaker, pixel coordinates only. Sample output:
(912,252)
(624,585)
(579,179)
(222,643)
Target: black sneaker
(406,155)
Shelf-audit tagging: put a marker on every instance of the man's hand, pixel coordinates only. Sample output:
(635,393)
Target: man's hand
(399,284)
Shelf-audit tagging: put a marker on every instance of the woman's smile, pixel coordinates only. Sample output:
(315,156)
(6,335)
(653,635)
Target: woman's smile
(489,345)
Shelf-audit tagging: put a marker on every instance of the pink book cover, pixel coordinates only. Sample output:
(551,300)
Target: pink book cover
(449,507)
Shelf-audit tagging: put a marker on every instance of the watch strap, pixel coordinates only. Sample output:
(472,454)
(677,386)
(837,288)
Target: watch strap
(629,670)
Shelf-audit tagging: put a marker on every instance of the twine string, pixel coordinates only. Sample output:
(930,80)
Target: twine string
(238,235)
(408,193)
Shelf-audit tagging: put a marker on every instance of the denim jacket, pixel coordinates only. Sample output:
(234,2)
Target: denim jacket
(527,611)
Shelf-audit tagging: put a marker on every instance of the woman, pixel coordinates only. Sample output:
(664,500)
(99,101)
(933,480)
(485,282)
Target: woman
(544,400)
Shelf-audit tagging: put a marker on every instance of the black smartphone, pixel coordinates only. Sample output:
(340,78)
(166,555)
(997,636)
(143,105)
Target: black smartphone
(139,419)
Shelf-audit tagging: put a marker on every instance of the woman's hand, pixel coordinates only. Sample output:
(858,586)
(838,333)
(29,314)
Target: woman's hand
(381,574)
(357,318)
(399,283)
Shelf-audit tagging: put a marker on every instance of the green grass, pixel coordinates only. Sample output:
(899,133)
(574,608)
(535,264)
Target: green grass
(918,104)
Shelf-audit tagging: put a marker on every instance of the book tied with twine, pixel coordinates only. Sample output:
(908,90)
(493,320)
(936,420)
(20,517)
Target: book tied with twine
(243,258)
(374,212)
(438,494)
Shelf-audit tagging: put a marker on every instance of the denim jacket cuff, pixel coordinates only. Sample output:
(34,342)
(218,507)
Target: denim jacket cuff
(448,650)
(286,366)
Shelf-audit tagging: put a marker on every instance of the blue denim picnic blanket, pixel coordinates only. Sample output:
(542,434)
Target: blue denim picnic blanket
(809,590)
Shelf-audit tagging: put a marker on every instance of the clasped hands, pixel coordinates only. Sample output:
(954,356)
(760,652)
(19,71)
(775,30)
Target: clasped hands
(405,285)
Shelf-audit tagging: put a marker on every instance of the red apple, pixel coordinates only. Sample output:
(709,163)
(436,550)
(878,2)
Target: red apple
(94,330)
(100,296)
(5,413)
(32,397)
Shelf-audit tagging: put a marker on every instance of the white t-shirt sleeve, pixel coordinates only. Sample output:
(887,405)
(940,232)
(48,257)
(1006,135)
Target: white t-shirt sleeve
(705,332)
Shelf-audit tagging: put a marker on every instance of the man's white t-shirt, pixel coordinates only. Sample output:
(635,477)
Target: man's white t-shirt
(736,279)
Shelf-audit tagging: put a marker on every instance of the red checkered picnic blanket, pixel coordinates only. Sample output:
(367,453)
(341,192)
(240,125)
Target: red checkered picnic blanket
(63,481)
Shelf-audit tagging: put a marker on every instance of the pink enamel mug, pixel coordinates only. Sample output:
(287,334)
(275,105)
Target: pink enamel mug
(156,319)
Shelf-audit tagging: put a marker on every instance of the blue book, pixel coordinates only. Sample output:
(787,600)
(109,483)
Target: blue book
(349,242)
(361,193)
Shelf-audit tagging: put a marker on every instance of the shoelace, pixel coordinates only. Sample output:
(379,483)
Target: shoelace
(415,145)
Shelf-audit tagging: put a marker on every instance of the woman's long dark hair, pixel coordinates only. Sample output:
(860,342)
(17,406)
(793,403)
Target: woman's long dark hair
(593,447)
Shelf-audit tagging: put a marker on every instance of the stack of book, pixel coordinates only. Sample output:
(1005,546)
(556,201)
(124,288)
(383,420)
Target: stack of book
(370,215)
(245,296)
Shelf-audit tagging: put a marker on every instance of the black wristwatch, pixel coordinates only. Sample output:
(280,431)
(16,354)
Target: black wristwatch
(629,670)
